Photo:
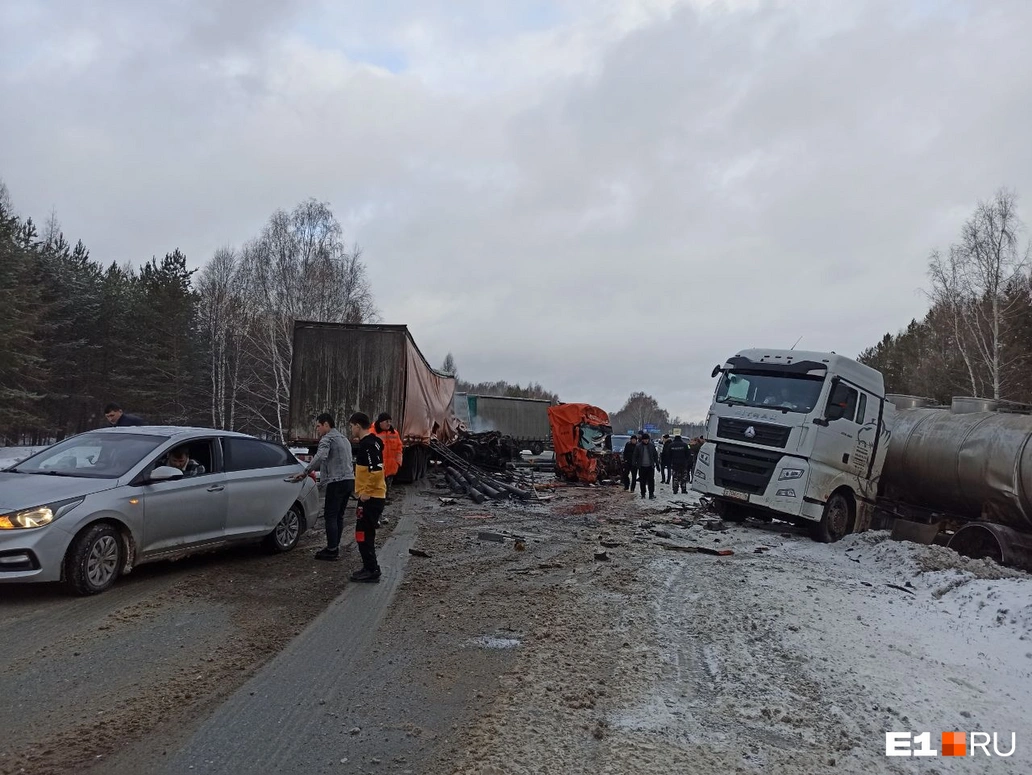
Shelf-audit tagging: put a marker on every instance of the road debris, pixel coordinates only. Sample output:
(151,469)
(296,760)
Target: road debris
(418,553)
(699,549)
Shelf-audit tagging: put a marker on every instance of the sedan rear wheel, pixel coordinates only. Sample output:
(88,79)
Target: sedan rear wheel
(287,532)
(94,560)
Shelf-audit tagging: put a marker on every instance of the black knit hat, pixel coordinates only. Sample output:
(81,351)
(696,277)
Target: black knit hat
(383,416)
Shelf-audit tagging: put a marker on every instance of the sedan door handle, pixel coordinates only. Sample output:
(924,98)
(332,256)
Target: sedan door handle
(217,488)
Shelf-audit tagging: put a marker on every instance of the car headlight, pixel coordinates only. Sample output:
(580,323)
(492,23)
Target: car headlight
(38,516)
(790,473)
(704,458)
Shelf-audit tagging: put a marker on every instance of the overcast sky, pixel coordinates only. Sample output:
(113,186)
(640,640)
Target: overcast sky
(598,195)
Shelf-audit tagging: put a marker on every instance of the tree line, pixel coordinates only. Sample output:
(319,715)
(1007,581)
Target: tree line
(976,338)
(209,347)
(496,388)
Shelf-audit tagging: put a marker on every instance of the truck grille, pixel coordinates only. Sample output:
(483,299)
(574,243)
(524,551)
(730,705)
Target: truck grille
(743,468)
(767,435)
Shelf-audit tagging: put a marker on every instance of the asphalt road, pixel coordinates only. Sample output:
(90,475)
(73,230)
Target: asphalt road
(86,681)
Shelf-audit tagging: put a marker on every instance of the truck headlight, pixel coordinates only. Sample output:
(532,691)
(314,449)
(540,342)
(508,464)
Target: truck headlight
(790,473)
(700,475)
(38,516)
(786,493)
(704,458)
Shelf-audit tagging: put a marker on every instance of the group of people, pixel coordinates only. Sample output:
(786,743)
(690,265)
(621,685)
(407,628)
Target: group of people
(362,466)
(675,460)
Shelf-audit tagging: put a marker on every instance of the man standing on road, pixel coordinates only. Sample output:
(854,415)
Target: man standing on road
(333,459)
(630,477)
(664,458)
(371,490)
(119,419)
(646,460)
(680,457)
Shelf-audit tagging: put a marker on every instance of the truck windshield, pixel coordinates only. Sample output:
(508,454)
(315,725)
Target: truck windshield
(788,392)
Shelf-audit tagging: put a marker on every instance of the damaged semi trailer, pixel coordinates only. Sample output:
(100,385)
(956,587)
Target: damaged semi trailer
(342,368)
(812,438)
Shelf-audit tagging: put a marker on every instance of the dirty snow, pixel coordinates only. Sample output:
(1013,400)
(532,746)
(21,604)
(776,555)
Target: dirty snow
(789,656)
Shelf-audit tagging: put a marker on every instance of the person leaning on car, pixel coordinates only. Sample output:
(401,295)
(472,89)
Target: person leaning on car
(337,471)
(116,417)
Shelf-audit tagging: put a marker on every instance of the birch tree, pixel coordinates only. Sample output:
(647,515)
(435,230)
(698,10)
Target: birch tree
(300,268)
(989,259)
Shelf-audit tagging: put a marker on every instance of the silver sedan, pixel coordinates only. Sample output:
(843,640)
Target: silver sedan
(91,507)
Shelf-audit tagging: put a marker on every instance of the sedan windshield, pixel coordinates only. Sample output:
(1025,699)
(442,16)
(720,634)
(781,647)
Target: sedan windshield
(92,455)
(787,392)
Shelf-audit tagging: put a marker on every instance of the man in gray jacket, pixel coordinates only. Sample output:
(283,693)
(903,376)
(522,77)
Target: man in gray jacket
(337,472)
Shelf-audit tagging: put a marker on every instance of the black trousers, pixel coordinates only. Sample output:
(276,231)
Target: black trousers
(337,496)
(634,477)
(647,478)
(368,515)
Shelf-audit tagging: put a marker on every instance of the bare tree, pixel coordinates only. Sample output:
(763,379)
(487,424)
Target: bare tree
(642,409)
(989,259)
(298,269)
(448,367)
(223,320)
(949,292)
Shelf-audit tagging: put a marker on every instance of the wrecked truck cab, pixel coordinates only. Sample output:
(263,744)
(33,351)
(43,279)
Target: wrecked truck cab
(798,435)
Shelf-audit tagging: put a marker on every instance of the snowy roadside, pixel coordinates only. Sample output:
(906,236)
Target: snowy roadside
(788,656)
(11,455)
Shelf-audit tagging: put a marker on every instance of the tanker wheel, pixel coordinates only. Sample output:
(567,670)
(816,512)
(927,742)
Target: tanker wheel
(836,521)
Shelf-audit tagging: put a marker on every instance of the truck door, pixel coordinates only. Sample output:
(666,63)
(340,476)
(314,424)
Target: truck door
(835,445)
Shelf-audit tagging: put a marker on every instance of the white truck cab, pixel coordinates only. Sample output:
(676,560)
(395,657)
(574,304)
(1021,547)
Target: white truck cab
(799,435)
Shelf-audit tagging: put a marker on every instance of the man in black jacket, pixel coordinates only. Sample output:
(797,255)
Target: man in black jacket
(118,418)
(646,459)
(680,460)
(630,477)
(664,458)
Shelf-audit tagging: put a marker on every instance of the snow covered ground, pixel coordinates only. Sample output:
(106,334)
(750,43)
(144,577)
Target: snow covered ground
(11,455)
(787,656)
(791,647)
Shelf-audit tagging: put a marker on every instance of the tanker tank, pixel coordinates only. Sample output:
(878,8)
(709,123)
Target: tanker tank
(974,465)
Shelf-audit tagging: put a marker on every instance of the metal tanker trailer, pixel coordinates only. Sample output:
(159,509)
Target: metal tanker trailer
(968,463)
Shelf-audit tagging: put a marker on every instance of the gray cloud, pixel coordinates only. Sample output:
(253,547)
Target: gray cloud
(528,197)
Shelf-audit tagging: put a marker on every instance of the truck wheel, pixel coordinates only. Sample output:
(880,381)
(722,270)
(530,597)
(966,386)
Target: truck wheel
(537,448)
(94,560)
(729,512)
(835,523)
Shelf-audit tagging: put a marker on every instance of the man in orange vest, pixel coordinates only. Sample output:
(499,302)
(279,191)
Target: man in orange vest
(392,447)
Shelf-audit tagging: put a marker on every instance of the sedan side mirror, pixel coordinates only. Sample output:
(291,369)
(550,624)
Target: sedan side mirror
(164,474)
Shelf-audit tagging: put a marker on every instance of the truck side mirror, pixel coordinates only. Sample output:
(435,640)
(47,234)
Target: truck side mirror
(716,370)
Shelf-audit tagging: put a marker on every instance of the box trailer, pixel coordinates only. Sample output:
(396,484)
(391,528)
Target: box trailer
(342,368)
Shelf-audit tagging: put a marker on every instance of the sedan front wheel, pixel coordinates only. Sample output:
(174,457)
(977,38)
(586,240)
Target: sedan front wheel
(94,560)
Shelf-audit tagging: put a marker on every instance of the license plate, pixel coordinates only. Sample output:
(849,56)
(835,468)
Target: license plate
(738,496)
